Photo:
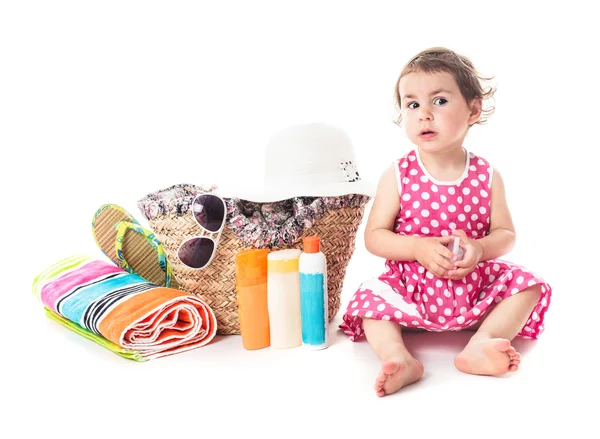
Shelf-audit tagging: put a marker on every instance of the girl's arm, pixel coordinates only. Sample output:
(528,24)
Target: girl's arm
(501,238)
(380,239)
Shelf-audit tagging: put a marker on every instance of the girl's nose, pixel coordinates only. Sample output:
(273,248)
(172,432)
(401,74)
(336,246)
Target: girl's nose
(425,113)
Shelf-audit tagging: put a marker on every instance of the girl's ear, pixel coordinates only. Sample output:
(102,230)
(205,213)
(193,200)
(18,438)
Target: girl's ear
(476,106)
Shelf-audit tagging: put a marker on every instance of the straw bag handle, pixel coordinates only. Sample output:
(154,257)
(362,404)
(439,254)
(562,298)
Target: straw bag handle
(122,227)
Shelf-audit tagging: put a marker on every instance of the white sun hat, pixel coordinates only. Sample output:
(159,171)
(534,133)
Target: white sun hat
(308,160)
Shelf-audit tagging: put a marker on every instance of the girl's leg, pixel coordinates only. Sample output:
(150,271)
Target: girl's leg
(399,368)
(489,351)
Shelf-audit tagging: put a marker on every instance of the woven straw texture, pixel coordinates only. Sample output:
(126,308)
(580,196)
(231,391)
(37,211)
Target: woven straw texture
(215,284)
(139,254)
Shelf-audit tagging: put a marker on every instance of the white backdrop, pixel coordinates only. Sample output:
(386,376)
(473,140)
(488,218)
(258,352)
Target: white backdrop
(105,102)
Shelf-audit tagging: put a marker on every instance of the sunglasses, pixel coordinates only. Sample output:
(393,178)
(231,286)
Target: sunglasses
(209,211)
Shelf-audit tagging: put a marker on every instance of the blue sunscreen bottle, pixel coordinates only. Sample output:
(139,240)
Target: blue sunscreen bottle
(312,266)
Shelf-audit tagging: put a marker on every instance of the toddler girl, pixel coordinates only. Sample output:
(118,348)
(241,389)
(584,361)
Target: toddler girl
(435,193)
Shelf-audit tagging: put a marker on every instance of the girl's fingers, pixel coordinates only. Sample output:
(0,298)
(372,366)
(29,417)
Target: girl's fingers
(459,273)
(468,258)
(464,263)
(438,270)
(444,251)
(460,233)
(443,262)
(446,239)
(464,239)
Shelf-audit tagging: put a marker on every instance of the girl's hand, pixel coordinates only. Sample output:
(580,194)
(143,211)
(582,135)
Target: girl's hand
(473,253)
(431,253)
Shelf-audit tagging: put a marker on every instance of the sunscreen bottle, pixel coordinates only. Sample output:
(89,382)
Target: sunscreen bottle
(313,294)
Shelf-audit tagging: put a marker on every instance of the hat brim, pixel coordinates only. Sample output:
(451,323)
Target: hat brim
(262,194)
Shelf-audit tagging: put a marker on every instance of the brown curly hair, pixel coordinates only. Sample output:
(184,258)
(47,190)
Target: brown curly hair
(440,59)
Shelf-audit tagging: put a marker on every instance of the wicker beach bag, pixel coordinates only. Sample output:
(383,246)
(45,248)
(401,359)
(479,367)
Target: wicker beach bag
(334,220)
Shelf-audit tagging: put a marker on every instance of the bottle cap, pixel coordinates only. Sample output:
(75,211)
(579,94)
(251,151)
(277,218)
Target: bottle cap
(312,244)
(283,261)
(251,267)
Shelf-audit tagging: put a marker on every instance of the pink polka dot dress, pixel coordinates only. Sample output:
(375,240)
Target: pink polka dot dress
(413,297)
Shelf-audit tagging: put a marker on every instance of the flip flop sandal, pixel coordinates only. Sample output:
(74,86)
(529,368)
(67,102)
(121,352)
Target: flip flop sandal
(119,235)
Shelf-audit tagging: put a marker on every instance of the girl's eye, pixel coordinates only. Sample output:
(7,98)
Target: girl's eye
(412,105)
(440,101)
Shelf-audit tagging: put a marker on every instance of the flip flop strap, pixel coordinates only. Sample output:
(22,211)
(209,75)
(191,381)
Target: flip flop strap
(121,228)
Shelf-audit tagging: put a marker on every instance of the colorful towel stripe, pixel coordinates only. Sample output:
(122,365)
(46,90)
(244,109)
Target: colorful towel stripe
(121,311)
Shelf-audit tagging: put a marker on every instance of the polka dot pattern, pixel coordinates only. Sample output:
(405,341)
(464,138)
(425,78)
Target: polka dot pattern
(439,204)
(432,208)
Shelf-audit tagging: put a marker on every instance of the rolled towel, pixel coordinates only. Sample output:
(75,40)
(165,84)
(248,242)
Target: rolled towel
(121,311)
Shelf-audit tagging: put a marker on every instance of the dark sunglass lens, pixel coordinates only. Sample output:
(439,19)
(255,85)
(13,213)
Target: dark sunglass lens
(209,211)
(196,252)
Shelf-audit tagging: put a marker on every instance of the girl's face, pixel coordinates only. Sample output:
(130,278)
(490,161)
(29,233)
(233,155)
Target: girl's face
(434,112)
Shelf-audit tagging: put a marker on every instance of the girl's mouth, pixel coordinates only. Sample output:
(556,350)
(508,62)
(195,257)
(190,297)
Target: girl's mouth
(427,135)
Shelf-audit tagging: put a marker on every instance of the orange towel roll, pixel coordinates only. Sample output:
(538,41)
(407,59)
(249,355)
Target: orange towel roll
(251,287)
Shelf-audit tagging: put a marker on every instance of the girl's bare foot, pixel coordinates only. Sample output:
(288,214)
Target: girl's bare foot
(488,356)
(397,373)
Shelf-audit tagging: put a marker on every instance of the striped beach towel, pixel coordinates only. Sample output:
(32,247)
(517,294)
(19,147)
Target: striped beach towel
(121,311)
